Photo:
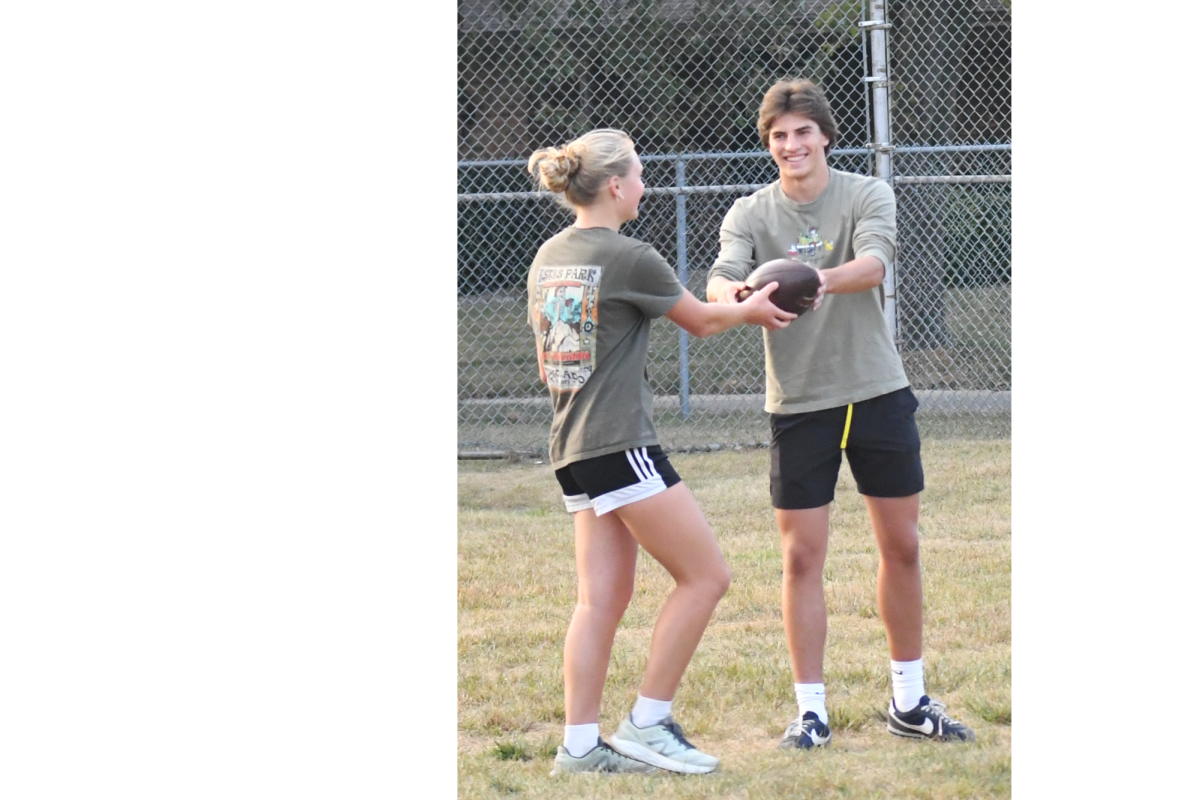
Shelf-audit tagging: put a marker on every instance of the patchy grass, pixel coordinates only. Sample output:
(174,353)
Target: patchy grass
(516,593)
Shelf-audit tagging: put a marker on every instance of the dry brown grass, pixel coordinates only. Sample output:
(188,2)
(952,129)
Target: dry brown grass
(516,592)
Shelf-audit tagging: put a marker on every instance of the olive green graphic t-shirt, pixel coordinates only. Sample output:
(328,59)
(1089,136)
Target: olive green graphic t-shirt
(843,352)
(592,296)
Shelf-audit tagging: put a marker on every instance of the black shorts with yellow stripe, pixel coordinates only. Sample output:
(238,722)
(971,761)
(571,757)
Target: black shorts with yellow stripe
(879,437)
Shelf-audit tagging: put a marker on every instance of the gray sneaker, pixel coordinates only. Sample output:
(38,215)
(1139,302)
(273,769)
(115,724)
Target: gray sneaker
(600,758)
(662,745)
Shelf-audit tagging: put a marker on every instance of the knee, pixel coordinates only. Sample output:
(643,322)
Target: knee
(713,583)
(904,553)
(800,561)
(721,579)
(609,602)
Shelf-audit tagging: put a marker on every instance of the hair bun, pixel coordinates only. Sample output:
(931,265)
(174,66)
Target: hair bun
(555,167)
(570,162)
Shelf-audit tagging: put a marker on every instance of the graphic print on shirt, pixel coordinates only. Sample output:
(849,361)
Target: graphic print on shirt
(566,299)
(809,246)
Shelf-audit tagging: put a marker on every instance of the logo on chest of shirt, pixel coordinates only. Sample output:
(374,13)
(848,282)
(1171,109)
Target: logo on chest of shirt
(809,246)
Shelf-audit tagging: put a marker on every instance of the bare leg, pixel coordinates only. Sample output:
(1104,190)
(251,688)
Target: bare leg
(674,531)
(805,540)
(894,520)
(606,559)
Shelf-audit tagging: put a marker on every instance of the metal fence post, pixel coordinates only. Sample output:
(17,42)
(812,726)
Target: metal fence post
(879,83)
(682,268)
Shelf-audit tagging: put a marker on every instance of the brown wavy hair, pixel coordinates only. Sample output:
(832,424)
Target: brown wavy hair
(796,96)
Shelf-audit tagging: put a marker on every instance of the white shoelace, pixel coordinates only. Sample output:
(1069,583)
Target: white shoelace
(938,709)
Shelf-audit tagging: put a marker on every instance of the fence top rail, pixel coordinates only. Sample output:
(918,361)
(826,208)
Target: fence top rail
(762,154)
(661,190)
(732,188)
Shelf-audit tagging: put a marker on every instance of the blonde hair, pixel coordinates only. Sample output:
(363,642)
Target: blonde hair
(578,170)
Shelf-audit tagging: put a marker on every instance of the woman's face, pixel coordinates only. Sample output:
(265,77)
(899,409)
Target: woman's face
(631,189)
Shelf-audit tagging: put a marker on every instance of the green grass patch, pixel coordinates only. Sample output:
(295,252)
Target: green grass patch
(518,748)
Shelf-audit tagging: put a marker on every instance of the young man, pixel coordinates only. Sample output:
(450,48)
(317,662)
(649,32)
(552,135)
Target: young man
(835,383)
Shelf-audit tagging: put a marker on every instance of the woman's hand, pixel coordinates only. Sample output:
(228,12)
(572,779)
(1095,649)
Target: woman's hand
(761,311)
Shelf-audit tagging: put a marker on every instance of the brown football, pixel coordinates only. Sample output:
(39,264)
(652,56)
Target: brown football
(798,284)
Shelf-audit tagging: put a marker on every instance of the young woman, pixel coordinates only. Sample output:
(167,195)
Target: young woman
(592,296)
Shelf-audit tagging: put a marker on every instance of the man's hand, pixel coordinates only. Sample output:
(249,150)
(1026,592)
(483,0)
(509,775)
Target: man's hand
(723,290)
(820,292)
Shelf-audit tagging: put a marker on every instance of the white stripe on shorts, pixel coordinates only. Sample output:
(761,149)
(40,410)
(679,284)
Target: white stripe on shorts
(577,502)
(630,494)
(649,484)
(642,464)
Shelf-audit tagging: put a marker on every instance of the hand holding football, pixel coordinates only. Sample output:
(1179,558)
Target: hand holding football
(798,284)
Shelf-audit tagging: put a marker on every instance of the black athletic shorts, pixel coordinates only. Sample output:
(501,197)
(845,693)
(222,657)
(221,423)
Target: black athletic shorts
(615,480)
(878,435)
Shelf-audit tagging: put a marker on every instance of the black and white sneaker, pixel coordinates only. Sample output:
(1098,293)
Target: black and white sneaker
(928,720)
(805,733)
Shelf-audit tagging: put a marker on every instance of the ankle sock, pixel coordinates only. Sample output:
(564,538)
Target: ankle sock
(580,739)
(647,712)
(811,697)
(908,683)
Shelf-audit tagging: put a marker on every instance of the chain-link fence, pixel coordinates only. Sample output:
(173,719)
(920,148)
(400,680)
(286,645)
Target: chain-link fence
(685,78)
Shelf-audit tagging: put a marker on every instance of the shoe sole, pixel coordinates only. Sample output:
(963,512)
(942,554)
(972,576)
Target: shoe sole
(647,756)
(930,737)
(812,746)
(907,734)
(602,772)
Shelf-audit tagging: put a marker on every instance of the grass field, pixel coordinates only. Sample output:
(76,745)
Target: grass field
(516,593)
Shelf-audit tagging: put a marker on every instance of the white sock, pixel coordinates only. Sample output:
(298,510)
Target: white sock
(908,683)
(647,712)
(580,739)
(811,697)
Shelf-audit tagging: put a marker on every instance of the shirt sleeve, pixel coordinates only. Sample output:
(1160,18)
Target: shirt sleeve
(654,286)
(735,260)
(875,226)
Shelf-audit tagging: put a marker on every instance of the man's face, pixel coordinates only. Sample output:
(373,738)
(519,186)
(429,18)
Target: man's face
(797,145)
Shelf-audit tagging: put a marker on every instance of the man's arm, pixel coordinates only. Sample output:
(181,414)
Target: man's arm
(853,276)
(737,258)
(874,243)
(734,261)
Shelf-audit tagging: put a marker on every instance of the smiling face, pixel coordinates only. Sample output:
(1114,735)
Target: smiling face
(798,147)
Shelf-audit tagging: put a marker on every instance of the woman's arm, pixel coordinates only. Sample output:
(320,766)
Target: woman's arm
(705,319)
